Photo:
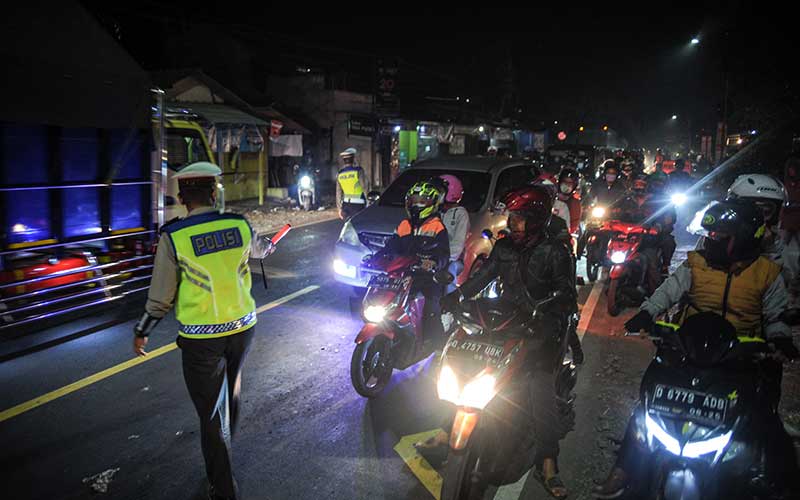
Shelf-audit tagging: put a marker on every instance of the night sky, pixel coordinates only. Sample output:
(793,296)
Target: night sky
(629,68)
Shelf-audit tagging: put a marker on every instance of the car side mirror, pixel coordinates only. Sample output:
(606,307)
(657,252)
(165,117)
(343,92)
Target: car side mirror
(373,197)
(443,277)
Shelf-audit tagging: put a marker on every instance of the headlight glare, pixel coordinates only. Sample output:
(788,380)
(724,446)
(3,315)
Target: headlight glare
(618,257)
(479,392)
(305,182)
(374,314)
(447,385)
(598,212)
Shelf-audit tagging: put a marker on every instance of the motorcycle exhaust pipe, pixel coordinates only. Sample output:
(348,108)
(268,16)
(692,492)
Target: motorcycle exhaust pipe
(464,424)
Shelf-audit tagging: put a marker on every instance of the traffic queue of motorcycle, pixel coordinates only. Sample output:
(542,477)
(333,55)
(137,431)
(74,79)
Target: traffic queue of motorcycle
(706,426)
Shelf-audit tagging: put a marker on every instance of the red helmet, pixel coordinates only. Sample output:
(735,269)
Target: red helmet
(535,203)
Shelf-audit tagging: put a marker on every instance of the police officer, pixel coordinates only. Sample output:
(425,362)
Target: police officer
(201,266)
(350,184)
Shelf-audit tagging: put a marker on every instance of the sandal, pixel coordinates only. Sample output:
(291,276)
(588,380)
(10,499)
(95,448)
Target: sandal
(552,485)
(438,440)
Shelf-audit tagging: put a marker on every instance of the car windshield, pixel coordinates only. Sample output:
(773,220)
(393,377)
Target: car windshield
(476,187)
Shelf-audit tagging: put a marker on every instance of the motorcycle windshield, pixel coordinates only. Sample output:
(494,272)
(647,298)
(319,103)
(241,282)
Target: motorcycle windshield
(707,338)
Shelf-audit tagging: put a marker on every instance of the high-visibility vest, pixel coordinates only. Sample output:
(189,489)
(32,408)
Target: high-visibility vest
(736,297)
(350,180)
(430,228)
(212,251)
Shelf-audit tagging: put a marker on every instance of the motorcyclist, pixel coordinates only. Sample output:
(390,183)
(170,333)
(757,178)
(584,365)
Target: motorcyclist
(568,181)
(423,234)
(456,220)
(608,191)
(728,278)
(532,266)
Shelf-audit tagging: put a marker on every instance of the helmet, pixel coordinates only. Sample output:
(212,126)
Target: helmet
(610,164)
(733,230)
(535,204)
(568,174)
(423,200)
(454,188)
(348,153)
(766,191)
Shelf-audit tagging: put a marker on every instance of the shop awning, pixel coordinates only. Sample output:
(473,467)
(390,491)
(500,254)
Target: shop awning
(218,114)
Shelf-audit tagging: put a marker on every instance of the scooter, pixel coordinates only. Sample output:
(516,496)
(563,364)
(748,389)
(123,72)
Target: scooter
(484,374)
(305,190)
(628,284)
(701,424)
(392,336)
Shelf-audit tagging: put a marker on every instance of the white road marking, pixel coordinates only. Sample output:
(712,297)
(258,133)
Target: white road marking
(588,309)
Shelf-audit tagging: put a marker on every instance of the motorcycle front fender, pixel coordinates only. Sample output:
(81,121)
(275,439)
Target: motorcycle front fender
(464,424)
(682,485)
(617,271)
(372,330)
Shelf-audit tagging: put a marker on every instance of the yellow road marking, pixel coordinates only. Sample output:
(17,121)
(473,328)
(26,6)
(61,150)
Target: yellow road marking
(420,467)
(91,379)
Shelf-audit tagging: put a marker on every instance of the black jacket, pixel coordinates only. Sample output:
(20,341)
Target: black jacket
(538,269)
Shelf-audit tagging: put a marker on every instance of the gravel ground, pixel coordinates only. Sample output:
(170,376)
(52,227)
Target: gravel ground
(275,213)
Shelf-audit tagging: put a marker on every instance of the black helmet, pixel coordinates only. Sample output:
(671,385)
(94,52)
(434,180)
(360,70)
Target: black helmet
(733,230)
(568,174)
(610,165)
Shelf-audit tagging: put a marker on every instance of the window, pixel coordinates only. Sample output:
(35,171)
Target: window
(476,187)
(26,154)
(126,207)
(126,155)
(28,216)
(513,178)
(184,147)
(81,209)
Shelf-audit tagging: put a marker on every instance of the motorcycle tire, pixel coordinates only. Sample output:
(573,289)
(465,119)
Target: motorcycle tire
(592,270)
(614,299)
(305,202)
(457,481)
(375,351)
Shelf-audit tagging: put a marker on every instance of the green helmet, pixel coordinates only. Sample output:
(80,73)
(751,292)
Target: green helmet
(423,201)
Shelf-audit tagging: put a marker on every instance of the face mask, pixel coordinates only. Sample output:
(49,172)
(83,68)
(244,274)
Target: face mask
(611,177)
(717,253)
(565,188)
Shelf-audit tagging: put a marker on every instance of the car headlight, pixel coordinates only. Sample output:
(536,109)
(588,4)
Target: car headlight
(598,212)
(479,392)
(618,257)
(447,385)
(341,267)
(678,199)
(305,182)
(374,314)
(349,235)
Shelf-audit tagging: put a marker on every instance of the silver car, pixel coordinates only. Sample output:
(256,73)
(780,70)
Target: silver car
(485,180)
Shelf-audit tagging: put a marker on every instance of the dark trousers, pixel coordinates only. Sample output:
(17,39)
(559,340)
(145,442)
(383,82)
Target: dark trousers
(432,311)
(350,209)
(212,369)
(546,418)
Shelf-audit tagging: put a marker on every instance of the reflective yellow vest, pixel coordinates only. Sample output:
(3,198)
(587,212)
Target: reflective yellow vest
(350,180)
(735,296)
(214,297)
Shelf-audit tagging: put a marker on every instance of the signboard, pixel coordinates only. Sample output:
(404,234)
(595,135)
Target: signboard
(361,125)
(386,100)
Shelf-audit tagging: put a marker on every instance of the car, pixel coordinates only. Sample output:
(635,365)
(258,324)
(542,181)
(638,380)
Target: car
(485,180)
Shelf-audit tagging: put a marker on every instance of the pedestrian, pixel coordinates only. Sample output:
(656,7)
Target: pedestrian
(201,267)
(350,184)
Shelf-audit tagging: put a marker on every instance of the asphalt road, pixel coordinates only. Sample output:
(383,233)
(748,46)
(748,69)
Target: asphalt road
(304,432)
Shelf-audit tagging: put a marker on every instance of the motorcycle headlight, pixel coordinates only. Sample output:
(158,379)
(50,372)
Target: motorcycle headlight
(598,212)
(305,182)
(374,314)
(655,431)
(479,392)
(618,257)
(447,385)
(349,235)
(678,199)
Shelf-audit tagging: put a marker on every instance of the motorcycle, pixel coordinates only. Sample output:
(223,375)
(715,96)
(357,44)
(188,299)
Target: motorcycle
(305,190)
(392,336)
(701,420)
(484,373)
(628,276)
(593,241)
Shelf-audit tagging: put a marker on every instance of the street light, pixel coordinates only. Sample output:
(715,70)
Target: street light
(674,117)
(695,41)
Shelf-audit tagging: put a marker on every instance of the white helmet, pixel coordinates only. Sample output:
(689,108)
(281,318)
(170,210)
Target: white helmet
(764,190)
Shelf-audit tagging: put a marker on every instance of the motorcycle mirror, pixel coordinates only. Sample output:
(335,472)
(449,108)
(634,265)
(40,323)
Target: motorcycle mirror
(487,233)
(443,277)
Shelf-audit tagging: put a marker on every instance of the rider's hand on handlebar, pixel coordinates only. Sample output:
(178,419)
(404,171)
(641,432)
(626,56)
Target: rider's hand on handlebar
(427,264)
(450,301)
(641,322)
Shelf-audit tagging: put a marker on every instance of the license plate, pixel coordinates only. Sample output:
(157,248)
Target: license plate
(385,282)
(679,402)
(480,351)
